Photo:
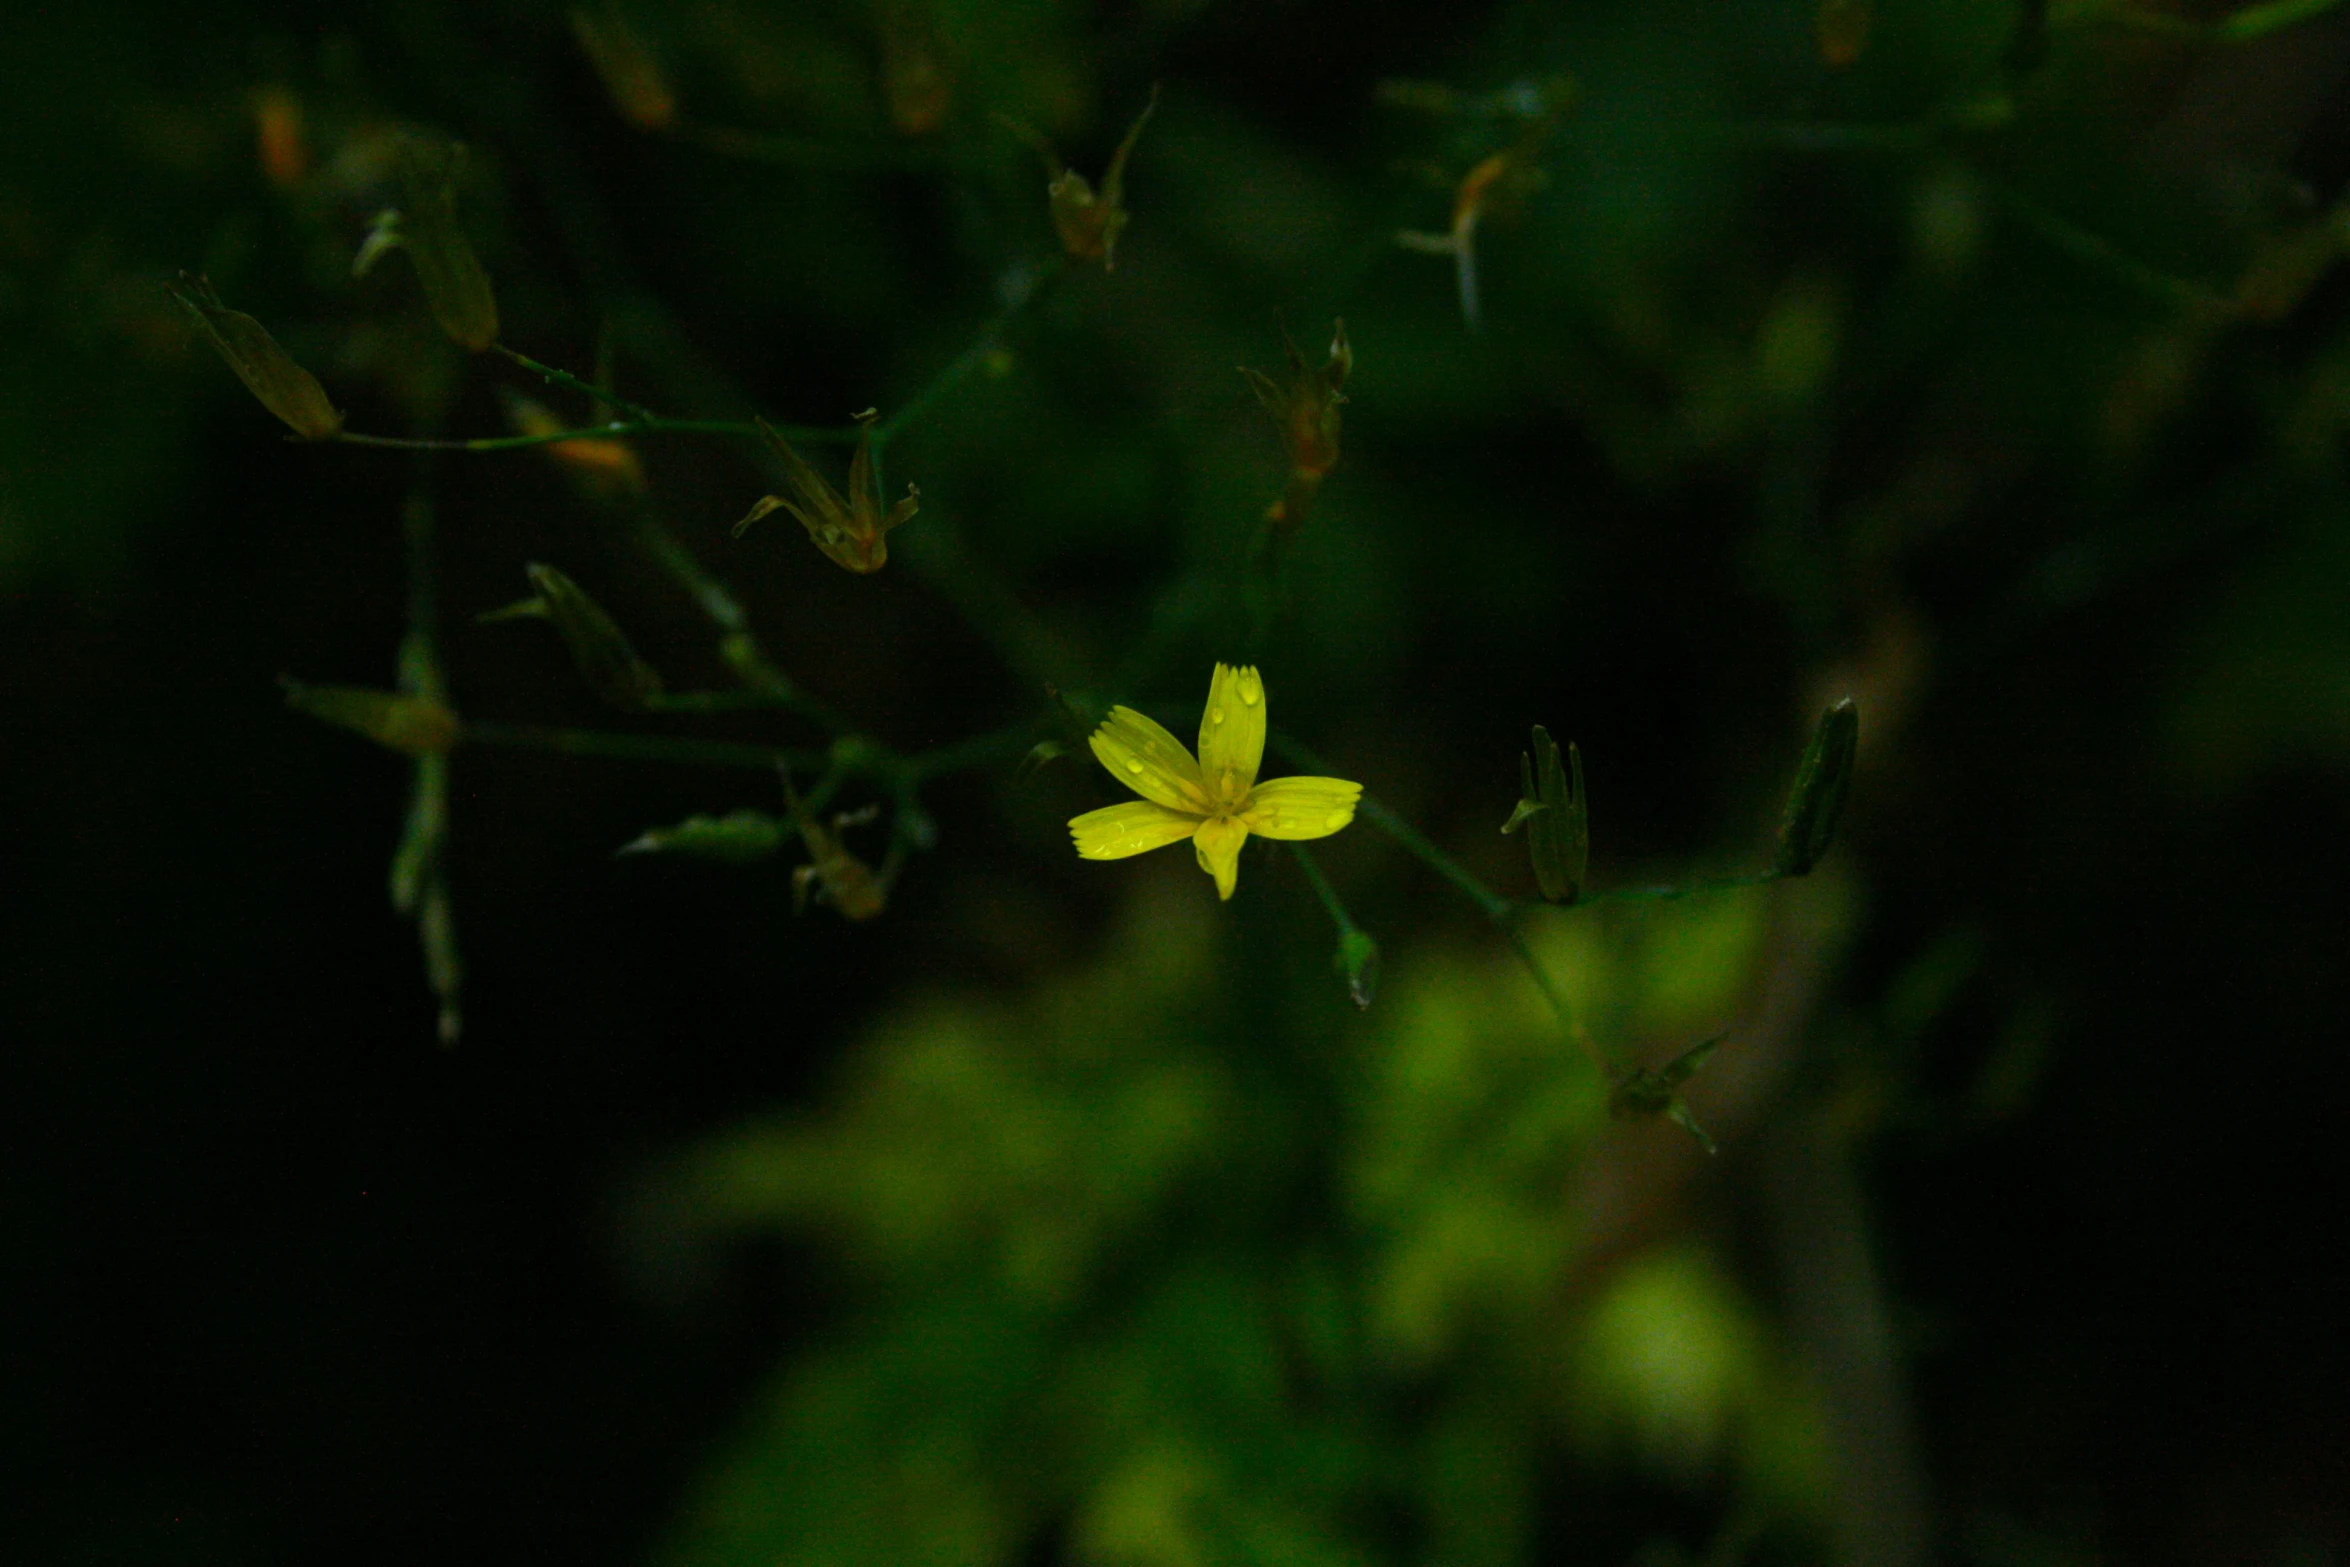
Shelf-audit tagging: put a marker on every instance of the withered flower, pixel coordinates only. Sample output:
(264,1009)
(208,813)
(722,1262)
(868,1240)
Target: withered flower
(1306,410)
(853,532)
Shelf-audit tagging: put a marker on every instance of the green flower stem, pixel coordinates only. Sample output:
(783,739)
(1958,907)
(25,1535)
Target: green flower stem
(752,665)
(419,883)
(2254,21)
(808,152)
(635,748)
(1025,290)
(1323,890)
(1502,911)
(2258,21)
(616,430)
(1003,745)
(612,400)
(1491,904)
(1835,136)
(2084,245)
(1656,894)
(1612,1064)
(2103,255)
(640,415)
(852,757)
(705,701)
(937,552)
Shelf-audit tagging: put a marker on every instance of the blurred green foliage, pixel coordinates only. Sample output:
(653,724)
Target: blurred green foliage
(1126,1278)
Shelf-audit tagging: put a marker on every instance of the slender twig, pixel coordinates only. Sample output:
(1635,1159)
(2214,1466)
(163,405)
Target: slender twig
(1490,903)
(601,394)
(807,152)
(634,748)
(706,701)
(1683,890)
(738,644)
(1022,290)
(1002,745)
(419,875)
(2253,22)
(741,428)
(1612,1064)
(2096,251)
(1835,136)
(1324,891)
(1495,907)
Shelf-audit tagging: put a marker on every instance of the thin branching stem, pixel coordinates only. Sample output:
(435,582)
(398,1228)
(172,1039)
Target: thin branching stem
(1490,903)
(1002,745)
(616,746)
(739,428)
(1655,894)
(1024,290)
(637,412)
(2252,22)
(1331,903)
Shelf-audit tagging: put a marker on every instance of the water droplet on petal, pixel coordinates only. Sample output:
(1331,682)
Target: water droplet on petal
(1338,819)
(1134,764)
(1250,691)
(1216,715)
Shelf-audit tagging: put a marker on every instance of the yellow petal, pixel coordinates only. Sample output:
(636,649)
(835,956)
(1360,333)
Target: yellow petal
(1145,758)
(1232,732)
(1116,831)
(1295,808)
(1217,844)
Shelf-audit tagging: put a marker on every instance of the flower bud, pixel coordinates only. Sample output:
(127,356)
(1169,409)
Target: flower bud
(416,725)
(1358,960)
(1822,779)
(1842,29)
(627,68)
(1647,1095)
(914,79)
(2287,265)
(268,371)
(607,472)
(283,151)
(1306,411)
(1552,809)
(853,530)
(607,661)
(738,838)
(1089,222)
(456,289)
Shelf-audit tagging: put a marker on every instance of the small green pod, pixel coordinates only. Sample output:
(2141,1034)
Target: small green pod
(1822,779)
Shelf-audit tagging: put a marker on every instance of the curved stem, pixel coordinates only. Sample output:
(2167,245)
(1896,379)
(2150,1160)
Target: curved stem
(739,428)
(633,748)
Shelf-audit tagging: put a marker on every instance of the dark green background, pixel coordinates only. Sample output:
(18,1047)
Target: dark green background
(286,1283)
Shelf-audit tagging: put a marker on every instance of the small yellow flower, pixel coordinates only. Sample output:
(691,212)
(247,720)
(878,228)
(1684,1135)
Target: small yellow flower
(1215,801)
